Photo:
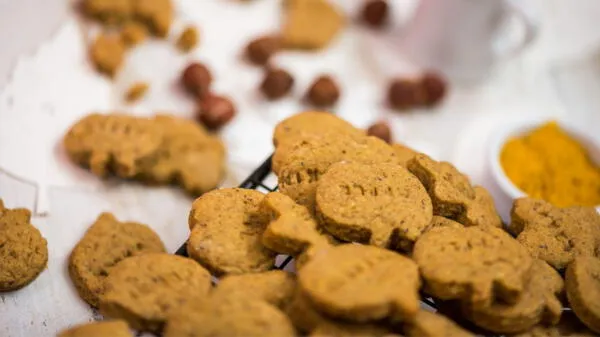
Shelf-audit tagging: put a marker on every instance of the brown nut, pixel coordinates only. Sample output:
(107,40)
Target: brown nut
(380,130)
(405,94)
(276,84)
(196,78)
(323,92)
(434,87)
(215,111)
(260,50)
(375,13)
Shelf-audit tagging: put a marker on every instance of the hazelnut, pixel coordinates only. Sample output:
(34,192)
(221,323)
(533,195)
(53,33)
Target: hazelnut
(215,111)
(196,78)
(260,50)
(276,84)
(405,94)
(375,13)
(323,92)
(434,87)
(380,130)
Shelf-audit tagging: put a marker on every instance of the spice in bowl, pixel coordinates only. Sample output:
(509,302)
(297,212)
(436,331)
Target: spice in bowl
(548,163)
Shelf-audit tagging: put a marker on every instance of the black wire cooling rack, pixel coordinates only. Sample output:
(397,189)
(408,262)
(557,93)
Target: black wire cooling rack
(261,180)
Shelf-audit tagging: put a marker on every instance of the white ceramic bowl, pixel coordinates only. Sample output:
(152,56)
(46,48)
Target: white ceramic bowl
(505,132)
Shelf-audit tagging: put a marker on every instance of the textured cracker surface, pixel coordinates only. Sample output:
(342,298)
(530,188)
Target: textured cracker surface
(227,227)
(583,290)
(429,324)
(275,287)
(569,326)
(23,250)
(106,243)
(375,204)
(555,235)
(367,283)
(114,143)
(145,289)
(539,303)
(476,264)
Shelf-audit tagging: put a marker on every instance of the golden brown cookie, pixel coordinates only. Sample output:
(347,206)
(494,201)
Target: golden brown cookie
(555,235)
(108,12)
(145,289)
(156,14)
(339,329)
(377,204)
(116,328)
(133,33)
(310,24)
(298,126)
(309,160)
(452,195)
(361,283)
(537,304)
(292,228)
(23,250)
(115,143)
(569,326)
(429,324)
(227,228)
(583,290)
(188,156)
(106,243)
(404,153)
(107,53)
(229,316)
(475,264)
(275,287)
(303,314)
(188,39)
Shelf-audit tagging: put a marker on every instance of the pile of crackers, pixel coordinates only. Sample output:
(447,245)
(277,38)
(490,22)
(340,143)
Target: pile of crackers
(163,149)
(375,231)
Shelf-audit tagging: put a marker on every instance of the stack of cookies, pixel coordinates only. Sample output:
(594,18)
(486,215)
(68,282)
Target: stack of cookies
(375,229)
(160,150)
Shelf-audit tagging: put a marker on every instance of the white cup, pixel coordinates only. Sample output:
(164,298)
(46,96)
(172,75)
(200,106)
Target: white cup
(465,38)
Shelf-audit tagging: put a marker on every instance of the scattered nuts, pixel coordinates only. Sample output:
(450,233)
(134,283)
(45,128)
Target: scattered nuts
(375,13)
(196,79)
(405,94)
(136,91)
(276,84)
(215,111)
(381,130)
(434,87)
(188,39)
(260,50)
(323,92)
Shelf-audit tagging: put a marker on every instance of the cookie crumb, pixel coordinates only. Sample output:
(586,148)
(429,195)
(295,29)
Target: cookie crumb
(323,92)
(260,50)
(310,24)
(216,111)
(136,91)
(196,78)
(157,15)
(188,39)
(133,33)
(375,13)
(107,53)
(276,83)
(381,130)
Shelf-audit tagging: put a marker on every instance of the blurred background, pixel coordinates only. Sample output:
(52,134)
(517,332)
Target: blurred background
(502,61)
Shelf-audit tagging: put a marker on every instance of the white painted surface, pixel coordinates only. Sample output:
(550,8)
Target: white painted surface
(52,84)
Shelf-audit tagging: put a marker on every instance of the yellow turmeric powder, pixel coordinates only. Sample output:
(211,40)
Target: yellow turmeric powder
(549,164)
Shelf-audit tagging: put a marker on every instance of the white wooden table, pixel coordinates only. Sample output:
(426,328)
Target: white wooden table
(52,85)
